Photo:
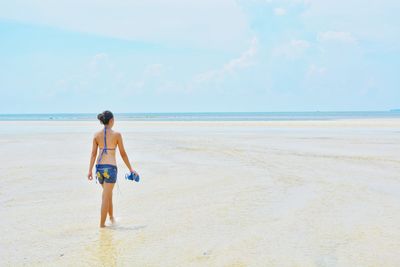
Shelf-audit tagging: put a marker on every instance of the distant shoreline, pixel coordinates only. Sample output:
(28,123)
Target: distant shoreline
(208,116)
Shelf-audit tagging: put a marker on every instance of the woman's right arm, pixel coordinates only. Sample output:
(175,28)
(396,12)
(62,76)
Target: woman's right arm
(92,158)
(123,153)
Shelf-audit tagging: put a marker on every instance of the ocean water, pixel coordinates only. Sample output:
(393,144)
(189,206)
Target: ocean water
(207,116)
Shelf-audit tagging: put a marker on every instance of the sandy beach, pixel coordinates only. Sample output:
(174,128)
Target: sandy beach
(283,193)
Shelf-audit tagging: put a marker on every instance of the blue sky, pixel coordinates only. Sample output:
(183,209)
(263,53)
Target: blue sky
(193,56)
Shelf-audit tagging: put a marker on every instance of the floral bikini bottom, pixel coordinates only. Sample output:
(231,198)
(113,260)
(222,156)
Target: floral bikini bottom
(106,173)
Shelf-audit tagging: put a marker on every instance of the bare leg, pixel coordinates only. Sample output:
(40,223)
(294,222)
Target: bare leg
(102,221)
(107,192)
(110,209)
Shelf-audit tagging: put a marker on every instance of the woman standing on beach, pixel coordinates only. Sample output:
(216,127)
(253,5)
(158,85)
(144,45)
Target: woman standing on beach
(107,141)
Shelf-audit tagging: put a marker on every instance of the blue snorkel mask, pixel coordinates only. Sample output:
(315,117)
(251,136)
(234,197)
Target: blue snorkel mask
(132,176)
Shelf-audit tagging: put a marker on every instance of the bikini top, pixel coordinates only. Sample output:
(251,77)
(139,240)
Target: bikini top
(104,149)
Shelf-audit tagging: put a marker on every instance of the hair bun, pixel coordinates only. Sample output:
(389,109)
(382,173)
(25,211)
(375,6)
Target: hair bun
(105,117)
(100,117)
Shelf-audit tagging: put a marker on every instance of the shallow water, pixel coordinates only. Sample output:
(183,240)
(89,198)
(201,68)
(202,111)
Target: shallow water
(211,194)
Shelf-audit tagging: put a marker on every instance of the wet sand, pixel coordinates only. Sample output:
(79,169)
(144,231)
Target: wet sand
(299,193)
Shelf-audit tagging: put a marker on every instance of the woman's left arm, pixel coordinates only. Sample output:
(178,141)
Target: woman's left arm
(92,158)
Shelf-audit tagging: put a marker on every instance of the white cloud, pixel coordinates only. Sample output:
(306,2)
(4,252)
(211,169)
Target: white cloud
(293,49)
(208,23)
(286,2)
(374,21)
(245,60)
(279,11)
(100,56)
(136,85)
(314,70)
(153,70)
(100,74)
(336,36)
(151,75)
(98,60)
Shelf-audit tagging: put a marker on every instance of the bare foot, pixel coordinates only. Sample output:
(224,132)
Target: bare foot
(112,219)
(102,226)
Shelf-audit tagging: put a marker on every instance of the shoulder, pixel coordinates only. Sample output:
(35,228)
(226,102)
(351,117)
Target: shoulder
(117,134)
(96,134)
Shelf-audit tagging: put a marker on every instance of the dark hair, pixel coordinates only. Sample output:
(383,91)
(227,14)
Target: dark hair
(105,117)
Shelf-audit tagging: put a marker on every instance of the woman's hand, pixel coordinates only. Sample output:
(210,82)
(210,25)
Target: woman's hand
(134,172)
(90,176)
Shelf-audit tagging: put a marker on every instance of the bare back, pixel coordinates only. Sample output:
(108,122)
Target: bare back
(112,142)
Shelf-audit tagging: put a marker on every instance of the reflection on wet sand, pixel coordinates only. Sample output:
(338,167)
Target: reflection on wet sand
(127,228)
(106,249)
